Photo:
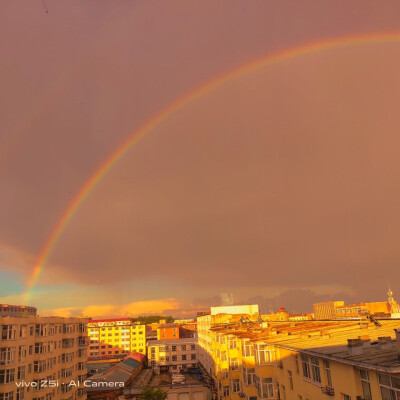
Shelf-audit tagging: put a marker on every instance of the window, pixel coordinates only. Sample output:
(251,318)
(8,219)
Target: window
(21,373)
(7,376)
(40,330)
(306,366)
(365,385)
(7,355)
(8,332)
(265,388)
(328,373)
(283,389)
(232,343)
(173,348)
(7,396)
(290,380)
(235,385)
(265,354)
(183,347)
(249,376)
(183,357)
(224,374)
(345,396)
(234,364)
(225,391)
(39,366)
(23,331)
(40,348)
(193,347)
(20,394)
(315,369)
(174,358)
(390,386)
(247,349)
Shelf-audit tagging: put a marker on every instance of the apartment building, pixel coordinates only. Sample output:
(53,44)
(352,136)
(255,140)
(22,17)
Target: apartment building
(115,337)
(218,316)
(173,355)
(42,358)
(307,360)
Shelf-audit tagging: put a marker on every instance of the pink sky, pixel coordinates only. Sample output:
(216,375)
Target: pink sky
(279,186)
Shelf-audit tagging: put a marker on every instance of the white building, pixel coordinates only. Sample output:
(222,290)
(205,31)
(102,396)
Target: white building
(172,354)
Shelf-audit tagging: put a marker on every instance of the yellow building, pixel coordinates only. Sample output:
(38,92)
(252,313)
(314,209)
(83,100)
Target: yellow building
(114,337)
(41,356)
(218,316)
(307,360)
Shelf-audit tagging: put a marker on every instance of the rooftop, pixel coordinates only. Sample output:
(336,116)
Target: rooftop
(172,341)
(330,339)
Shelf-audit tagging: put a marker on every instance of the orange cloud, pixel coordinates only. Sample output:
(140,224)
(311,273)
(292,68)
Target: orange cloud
(133,309)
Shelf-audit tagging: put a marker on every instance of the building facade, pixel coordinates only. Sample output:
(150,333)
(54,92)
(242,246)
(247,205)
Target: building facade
(42,358)
(218,316)
(307,360)
(115,337)
(174,355)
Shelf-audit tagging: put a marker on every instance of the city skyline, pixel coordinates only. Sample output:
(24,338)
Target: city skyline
(276,183)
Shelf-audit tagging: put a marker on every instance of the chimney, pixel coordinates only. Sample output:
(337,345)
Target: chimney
(385,342)
(355,347)
(366,341)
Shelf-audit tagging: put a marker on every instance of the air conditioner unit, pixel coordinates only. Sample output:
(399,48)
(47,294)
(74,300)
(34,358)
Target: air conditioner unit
(329,390)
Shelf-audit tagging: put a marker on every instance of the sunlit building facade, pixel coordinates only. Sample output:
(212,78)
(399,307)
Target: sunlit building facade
(115,337)
(218,316)
(307,360)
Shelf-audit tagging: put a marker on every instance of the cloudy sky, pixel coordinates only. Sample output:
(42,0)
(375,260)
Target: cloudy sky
(280,186)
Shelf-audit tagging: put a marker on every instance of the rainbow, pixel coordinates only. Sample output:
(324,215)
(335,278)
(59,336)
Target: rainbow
(114,157)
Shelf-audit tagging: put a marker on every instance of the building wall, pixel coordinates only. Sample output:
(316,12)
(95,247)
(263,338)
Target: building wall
(218,315)
(165,332)
(255,368)
(180,353)
(110,338)
(189,393)
(34,349)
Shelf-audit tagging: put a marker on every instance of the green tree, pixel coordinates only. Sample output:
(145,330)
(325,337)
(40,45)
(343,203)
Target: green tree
(149,393)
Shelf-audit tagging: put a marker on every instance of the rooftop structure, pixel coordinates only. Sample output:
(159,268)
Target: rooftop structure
(8,310)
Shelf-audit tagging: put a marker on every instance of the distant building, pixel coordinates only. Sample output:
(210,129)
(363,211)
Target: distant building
(168,331)
(175,330)
(338,310)
(326,309)
(116,337)
(173,355)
